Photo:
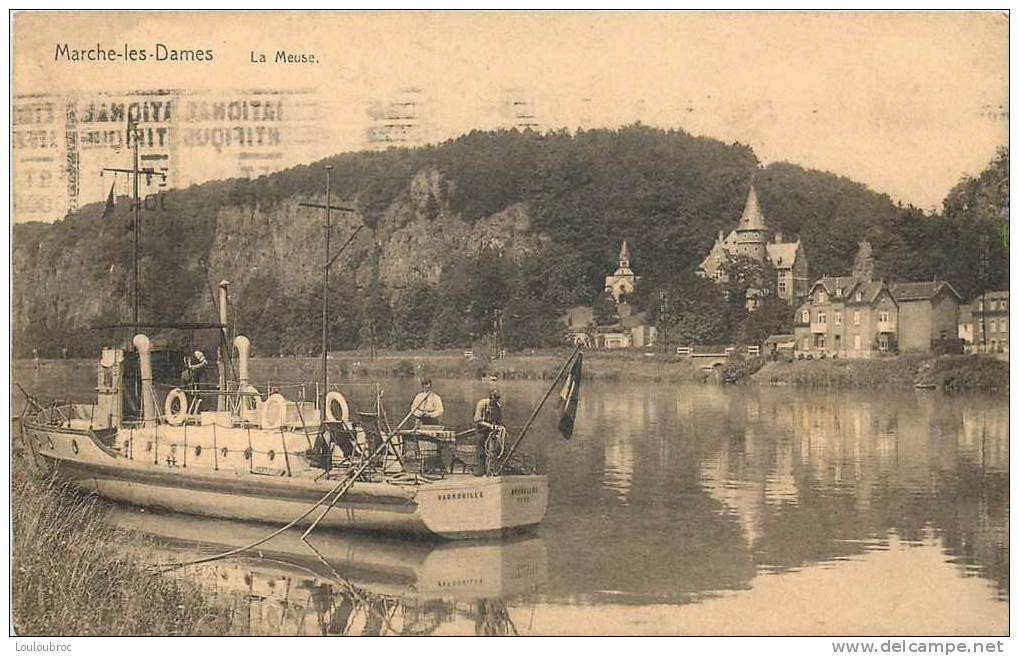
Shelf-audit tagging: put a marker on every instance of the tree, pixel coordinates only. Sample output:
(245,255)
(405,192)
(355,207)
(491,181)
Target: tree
(772,317)
(605,311)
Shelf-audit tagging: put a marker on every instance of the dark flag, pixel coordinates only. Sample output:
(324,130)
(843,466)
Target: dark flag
(569,397)
(108,212)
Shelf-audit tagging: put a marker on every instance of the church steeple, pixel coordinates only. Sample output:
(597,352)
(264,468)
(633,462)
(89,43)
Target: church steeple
(624,256)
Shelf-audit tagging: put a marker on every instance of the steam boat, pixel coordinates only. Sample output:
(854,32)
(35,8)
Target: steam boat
(265,457)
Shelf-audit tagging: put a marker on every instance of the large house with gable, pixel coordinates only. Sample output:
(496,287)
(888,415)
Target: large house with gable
(754,239)
(857,316)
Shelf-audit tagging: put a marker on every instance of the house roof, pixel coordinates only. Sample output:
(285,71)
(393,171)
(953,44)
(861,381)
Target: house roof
(832,284)
(783,255)
(870,290)
(921,291)
(780,339)
(752,218)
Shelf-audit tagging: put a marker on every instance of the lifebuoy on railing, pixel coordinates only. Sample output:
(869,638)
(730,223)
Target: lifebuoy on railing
(176,417)
(274,411)
(335,399)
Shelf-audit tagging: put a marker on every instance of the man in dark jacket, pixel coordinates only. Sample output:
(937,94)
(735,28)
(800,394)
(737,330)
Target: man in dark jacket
(487,421)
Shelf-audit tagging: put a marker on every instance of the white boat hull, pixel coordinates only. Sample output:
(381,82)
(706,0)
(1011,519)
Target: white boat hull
(459,506)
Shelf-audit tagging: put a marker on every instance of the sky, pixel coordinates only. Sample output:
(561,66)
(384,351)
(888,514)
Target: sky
(904,102)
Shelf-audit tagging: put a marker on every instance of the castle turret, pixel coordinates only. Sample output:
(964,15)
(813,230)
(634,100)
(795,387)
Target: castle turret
(752,232)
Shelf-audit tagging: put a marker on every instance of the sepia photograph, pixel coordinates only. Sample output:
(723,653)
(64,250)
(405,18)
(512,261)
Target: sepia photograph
(510,323)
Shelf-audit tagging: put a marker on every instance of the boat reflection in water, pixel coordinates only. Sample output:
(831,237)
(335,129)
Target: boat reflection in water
(349,584)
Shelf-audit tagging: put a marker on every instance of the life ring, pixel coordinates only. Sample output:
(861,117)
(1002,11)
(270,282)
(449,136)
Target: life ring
(274,411)
(176,418)
(337,398)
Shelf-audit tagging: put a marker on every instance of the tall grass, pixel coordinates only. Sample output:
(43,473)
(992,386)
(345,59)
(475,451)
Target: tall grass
(71,575)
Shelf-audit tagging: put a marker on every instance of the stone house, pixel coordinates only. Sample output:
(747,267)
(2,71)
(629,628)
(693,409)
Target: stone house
(847,317)
(990,322)
(753,238)
(928,312)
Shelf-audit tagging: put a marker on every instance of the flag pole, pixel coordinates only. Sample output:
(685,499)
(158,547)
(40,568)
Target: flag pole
(537,409)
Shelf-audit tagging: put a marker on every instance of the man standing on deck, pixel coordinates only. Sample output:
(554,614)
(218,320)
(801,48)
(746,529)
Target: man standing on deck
(487,420)
(427,406)
(194,374)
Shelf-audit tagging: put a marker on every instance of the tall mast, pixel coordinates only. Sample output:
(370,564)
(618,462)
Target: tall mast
(325,299)
(134,172)
(327,264)
(136,205)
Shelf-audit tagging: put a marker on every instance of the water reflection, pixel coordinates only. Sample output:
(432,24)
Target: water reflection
(347,584)
(677,508)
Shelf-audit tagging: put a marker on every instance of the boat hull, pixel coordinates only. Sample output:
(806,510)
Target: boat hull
(457,507)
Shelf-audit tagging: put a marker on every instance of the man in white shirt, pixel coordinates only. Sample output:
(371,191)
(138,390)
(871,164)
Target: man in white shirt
(427,406)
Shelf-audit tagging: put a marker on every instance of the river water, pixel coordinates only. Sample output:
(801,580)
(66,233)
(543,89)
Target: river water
(675,509)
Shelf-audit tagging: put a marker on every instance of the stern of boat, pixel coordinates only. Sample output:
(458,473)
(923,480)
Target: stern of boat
(468,506)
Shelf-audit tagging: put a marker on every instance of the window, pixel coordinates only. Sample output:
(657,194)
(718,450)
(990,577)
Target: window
(1003,325)
(805,317)
(856,342)
(838,318)
(822,297)
(822,318)
(1003,305)
(994,326)
(859,297)
(838,291)
(882,342)
(819,340)
(781,287)
(856,317)
(882,317)
(993,305)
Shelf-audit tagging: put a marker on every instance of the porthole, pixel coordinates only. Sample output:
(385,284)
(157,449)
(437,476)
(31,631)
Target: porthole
(198,450)
(247,453)
(74,446)
(224,451)
(272,455)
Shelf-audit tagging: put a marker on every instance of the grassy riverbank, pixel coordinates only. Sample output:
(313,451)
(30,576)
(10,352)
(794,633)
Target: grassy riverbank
(71,577)
(948,372)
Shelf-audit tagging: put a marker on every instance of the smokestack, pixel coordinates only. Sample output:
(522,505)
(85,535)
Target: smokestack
(224,285)
(141,342)
(243,345)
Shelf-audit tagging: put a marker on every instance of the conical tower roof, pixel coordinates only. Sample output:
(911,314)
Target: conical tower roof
(624,252)
(752,218)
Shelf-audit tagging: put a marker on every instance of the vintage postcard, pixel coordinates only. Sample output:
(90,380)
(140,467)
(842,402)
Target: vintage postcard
(511,323)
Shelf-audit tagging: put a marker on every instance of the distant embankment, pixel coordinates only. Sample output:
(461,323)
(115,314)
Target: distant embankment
(947,372)
(541,365)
